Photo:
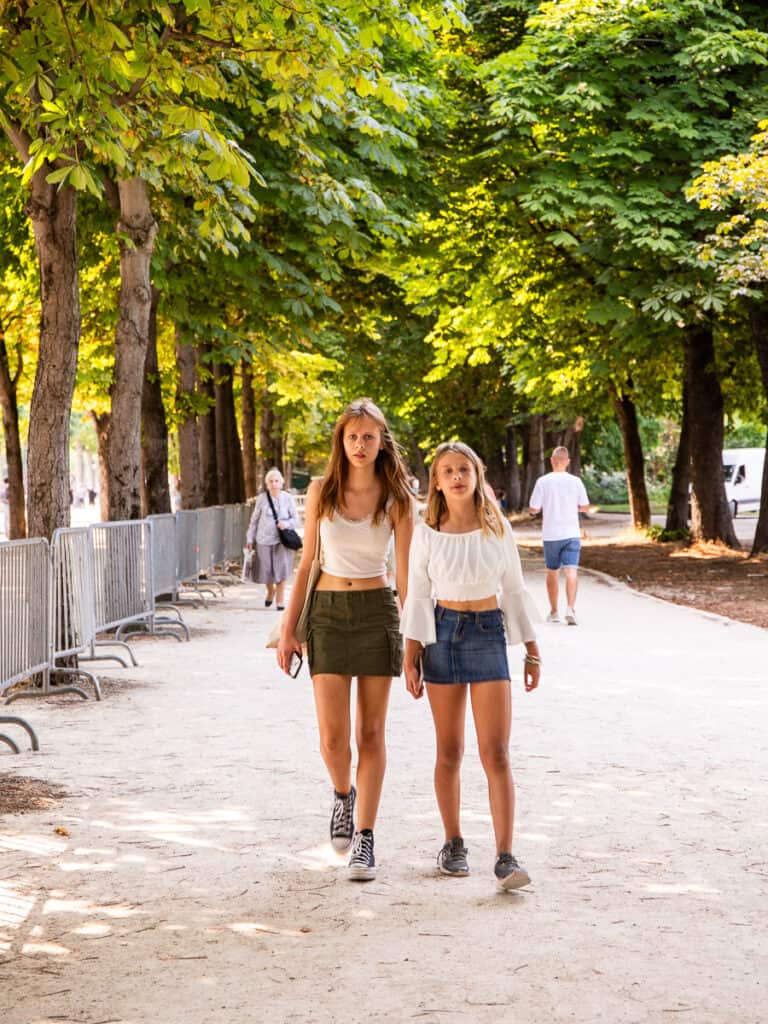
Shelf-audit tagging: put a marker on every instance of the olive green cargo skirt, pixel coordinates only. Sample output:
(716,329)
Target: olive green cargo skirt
(354,633)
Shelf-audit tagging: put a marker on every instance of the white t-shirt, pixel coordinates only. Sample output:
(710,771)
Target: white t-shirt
(559,495)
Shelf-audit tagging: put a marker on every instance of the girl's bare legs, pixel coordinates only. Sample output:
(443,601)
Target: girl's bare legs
(492,711)
(332,707)
(449,706)
(370,721)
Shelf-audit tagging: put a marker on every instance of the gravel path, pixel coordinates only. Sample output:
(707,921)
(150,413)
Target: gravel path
(186,878)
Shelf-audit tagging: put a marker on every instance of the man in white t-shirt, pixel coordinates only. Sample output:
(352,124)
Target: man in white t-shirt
(560,496)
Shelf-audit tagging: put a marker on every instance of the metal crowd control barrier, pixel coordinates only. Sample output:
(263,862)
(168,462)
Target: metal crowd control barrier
(25,609)
(210,531)
(73,626)
(164,581)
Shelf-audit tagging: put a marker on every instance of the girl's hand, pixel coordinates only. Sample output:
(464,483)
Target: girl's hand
(285,650)
(531,672)
(414,681)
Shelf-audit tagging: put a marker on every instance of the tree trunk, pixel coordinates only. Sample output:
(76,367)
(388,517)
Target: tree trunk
(248,421)
(679,492)
(53,212)
(572,441)
(189,447)
(229,463)
(534,454)
(17,522)
(209,485)
(155,489)
(101,423)
(759,324)
(512,469)
(137,229)
(634,461)
(710,515)
(270,436)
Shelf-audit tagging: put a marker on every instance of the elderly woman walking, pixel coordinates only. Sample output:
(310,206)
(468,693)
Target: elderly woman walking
(272,561)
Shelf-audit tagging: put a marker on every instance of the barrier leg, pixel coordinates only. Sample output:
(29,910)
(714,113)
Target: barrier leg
(9,741)
(75,672)
(14,720)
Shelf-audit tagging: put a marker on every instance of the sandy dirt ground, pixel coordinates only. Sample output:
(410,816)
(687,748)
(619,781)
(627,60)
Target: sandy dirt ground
(187,877)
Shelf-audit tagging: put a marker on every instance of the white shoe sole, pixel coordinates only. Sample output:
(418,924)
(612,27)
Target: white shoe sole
(516,880)
(359,873)
(570,620)
(453,874)
(342,845)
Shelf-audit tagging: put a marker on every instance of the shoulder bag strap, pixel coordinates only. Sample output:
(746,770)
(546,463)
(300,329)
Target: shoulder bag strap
(271,505)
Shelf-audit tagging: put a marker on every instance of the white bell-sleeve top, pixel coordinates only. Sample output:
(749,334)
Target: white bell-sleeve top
(466,567)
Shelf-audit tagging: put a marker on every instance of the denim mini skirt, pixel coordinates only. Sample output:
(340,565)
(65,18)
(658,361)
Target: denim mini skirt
(471,647)
(354,633)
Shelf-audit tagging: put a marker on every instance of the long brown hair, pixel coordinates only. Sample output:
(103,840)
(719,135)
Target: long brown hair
(488,512)
(389,466)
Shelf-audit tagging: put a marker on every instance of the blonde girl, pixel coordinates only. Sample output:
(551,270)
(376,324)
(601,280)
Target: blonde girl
(466,602)
(354,624)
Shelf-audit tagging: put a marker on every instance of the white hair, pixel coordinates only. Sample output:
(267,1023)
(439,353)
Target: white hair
(274,472)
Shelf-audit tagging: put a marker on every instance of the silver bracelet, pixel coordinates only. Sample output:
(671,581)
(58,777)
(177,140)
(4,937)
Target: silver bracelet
(531,659)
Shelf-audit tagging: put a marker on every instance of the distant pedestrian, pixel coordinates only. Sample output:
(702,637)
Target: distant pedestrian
(560,497)
(466,602)
(361,503)
(272,562)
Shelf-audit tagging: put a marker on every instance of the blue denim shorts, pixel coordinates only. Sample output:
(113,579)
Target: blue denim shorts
(562,552)
(471,648)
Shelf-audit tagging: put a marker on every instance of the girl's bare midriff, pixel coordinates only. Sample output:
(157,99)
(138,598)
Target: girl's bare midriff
(482,604)
(329,582)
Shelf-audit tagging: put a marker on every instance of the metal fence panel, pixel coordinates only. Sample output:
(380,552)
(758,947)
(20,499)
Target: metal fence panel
(187,546)
(210,537)
(25,588)
(73,610)
(162,529)
(122,573)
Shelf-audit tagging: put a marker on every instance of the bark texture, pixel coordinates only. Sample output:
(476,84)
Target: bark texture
(53,213)
(679,492)
(248,421)
(189,449)
(101,423)
(17,520)
(533,451)
(759,326)
(229,460)
(270,436)
(634,460)
(512,469)
(710,515)
(137,228)
(155,490)
(209,484)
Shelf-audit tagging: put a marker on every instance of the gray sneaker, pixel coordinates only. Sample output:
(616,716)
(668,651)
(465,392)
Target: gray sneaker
(452,859)
(362,865)
(343,820)
(509,874)
(570,617)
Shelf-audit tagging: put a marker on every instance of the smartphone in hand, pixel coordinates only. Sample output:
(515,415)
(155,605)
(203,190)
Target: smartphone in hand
(294,666)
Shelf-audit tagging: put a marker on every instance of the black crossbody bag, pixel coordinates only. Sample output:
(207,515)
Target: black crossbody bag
(288,537)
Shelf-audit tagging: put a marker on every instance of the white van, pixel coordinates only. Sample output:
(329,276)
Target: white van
(743,472)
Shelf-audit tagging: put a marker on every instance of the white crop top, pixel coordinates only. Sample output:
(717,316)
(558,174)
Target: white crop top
(355,548)
(465,567)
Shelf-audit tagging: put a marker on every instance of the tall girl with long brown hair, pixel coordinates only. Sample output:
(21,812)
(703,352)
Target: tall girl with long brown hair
(466,602)
(354,624)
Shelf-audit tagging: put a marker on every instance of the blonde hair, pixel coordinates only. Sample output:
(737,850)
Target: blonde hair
(488,512)
(389,466)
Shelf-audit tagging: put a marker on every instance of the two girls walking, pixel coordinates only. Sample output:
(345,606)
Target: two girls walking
(462,590)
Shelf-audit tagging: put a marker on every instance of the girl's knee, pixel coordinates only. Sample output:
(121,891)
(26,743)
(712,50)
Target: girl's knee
(450,756)
(495,758)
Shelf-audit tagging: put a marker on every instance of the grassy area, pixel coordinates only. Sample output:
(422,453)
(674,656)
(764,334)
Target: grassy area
(656,509)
